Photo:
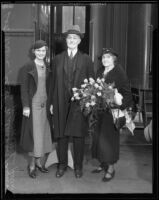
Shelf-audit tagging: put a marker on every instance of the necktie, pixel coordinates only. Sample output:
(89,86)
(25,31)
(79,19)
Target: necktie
(71,55)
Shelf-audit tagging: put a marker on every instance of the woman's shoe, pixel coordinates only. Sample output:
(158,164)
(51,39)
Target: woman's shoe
(105,179)
(42,169)
(32,172)
(99,169)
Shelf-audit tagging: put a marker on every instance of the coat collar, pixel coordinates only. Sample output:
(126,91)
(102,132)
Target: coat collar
(34,72)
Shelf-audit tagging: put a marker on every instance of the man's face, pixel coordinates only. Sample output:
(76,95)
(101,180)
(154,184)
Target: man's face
(73,41)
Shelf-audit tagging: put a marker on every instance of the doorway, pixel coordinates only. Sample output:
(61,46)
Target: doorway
(61,18)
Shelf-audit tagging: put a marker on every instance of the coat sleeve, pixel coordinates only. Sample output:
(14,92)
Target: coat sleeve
(124,88)
(52,82)
(24,87)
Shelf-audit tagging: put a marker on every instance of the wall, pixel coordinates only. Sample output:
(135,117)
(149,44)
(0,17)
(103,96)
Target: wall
(109,22)
(138,43)
(18,35)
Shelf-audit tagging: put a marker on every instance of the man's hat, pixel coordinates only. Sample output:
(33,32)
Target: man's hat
(74,29)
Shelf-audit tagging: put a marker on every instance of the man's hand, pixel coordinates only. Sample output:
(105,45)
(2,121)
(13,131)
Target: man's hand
(26,111)
(51,110)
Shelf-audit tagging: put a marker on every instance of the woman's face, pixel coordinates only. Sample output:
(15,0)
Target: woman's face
(40,53)
(73,41)
(108,60)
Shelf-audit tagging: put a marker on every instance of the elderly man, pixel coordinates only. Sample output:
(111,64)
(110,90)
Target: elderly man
(69,70)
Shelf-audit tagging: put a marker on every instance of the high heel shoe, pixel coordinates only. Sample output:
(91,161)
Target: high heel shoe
(99,169)
(42,169)
(106,179)
(32,172)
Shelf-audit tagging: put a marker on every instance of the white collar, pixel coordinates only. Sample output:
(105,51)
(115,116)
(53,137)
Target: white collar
(73,52)
(107,69)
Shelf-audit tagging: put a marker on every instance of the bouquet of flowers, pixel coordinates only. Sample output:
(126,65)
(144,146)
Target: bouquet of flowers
(96,96)
(93,95)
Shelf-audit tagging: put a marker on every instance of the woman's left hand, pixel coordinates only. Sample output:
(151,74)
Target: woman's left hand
(118,98)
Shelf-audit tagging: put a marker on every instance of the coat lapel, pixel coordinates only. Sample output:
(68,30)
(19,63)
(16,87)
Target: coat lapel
(77,67)
(34,72)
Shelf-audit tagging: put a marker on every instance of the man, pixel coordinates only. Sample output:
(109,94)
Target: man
(69,70)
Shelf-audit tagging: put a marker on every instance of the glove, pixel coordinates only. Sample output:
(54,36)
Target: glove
(26,111)
(118,98)
(51,110)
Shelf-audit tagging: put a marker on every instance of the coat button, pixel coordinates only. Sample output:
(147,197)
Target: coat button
(42,105)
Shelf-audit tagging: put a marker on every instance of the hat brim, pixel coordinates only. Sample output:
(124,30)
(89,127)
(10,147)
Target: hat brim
(73,32)
(113,53)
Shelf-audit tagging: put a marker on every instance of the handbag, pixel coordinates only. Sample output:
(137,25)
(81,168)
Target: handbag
(119,122)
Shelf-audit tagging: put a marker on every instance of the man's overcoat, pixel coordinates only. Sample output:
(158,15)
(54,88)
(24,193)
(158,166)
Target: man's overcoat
(68,118)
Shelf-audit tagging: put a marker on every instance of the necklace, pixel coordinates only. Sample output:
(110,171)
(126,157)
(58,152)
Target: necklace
(41,65)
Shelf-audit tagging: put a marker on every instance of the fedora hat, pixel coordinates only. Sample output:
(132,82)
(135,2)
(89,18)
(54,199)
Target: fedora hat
(74,29)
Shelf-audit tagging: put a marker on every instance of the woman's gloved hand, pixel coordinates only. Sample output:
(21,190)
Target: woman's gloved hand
(118,98)
(26,111)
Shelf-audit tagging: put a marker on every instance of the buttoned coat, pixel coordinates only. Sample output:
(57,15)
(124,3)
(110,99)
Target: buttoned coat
(68,118)
(29,81)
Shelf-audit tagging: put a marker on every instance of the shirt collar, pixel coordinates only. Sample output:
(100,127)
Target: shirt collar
(73,52)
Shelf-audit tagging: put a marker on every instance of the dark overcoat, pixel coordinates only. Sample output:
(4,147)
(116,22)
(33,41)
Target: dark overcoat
(29,81)
(68,118)
(106,139)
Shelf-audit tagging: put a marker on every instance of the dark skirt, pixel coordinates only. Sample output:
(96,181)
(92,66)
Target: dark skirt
(106,140)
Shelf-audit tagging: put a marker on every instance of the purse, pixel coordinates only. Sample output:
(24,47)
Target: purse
(119,119)
(120,122)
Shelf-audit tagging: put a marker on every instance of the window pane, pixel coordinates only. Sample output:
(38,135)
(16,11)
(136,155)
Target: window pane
(80,15)
(67,17)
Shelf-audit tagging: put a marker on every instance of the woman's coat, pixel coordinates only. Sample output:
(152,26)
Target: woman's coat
(29,81)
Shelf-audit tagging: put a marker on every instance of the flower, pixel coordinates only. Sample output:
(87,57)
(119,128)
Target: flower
(98,80)
(87,104)
(93,103)
(83,85)
(99,94)
(93,97)
(102,79)
(96,85)
(72,99)
(74,89)
(91,80)
(85,80)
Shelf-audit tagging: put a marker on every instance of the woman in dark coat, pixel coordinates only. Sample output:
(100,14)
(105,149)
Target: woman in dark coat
(106,142)
(36,132)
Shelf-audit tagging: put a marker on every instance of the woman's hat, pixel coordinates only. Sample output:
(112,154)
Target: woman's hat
(39,43)
(108,50)
(74,29)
